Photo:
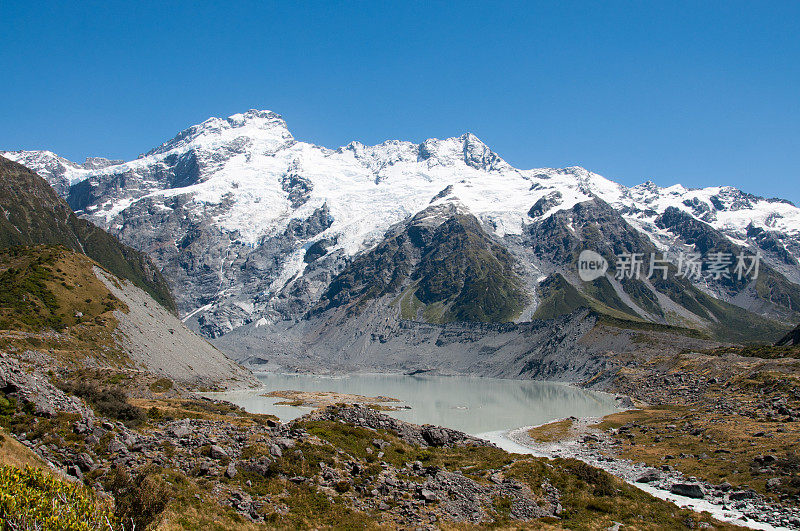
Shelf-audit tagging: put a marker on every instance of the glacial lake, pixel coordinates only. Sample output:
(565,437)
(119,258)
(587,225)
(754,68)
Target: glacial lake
(472,405)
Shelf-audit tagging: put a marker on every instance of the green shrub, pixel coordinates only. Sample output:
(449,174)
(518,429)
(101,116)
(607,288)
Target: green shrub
(116,379)
(24,293)
(34,499)
(161,385)
(599,479)
(8,405)
(139,499)
(111,403)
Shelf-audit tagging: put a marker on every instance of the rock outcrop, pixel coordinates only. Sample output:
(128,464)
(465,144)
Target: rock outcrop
(792,338)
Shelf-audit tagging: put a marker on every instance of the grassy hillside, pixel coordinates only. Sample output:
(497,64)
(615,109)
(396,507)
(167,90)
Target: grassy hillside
(48,288)
(35,215)
(559,297)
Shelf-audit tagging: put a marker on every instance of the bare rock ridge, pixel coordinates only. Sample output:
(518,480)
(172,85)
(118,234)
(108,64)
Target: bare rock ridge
(426,435)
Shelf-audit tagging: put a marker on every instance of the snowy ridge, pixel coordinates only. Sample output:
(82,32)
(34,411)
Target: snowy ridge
(247,177)
(58,171)
(267,127)
(723,207)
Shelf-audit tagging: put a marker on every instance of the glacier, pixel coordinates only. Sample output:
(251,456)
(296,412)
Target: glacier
(259,199)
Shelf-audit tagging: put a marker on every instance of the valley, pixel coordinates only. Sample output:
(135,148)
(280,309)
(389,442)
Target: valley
(242,330)
(414,266)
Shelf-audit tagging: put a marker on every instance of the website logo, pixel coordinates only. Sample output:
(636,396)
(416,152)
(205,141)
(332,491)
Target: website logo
(714,266)
(591,266)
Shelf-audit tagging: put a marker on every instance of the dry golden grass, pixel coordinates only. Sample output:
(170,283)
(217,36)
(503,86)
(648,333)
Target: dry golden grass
(717,415)
(205,516)
(180,408)
(12,452)
(725,443)
(646,414)
(716,448)
(552,432)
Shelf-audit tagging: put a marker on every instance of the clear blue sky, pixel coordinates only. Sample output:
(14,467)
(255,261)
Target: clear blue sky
(700,93)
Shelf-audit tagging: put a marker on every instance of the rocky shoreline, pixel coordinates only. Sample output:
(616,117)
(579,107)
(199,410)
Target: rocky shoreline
(595,447)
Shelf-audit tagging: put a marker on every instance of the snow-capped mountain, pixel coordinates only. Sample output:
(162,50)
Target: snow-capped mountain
(58,171)
(251,226)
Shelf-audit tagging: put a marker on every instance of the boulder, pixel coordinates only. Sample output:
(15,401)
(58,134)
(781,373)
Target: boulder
(75,471)
(649,477)
(217,452)
(427,495)
(690,490)
(742,495)
(180,430)
(258,466)
(115,446)
(435,436)
(203,468)
(85,462)
(275,451)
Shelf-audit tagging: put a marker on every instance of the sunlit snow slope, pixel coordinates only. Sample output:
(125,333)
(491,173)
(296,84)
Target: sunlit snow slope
(229,208)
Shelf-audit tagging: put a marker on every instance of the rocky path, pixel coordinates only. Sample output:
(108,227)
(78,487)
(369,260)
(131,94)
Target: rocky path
(595,447)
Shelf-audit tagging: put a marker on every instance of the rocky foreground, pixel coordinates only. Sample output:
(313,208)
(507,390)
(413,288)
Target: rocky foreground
(167,459)
(717,430)
(588,442)
(80,406)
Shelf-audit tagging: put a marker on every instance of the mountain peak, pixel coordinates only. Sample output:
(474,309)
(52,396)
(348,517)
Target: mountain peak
(262,118)
(467,148)
(470,138)
(479,156)
(258,124)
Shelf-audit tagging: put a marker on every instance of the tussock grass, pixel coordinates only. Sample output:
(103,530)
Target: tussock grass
(14,453)
(552,432)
